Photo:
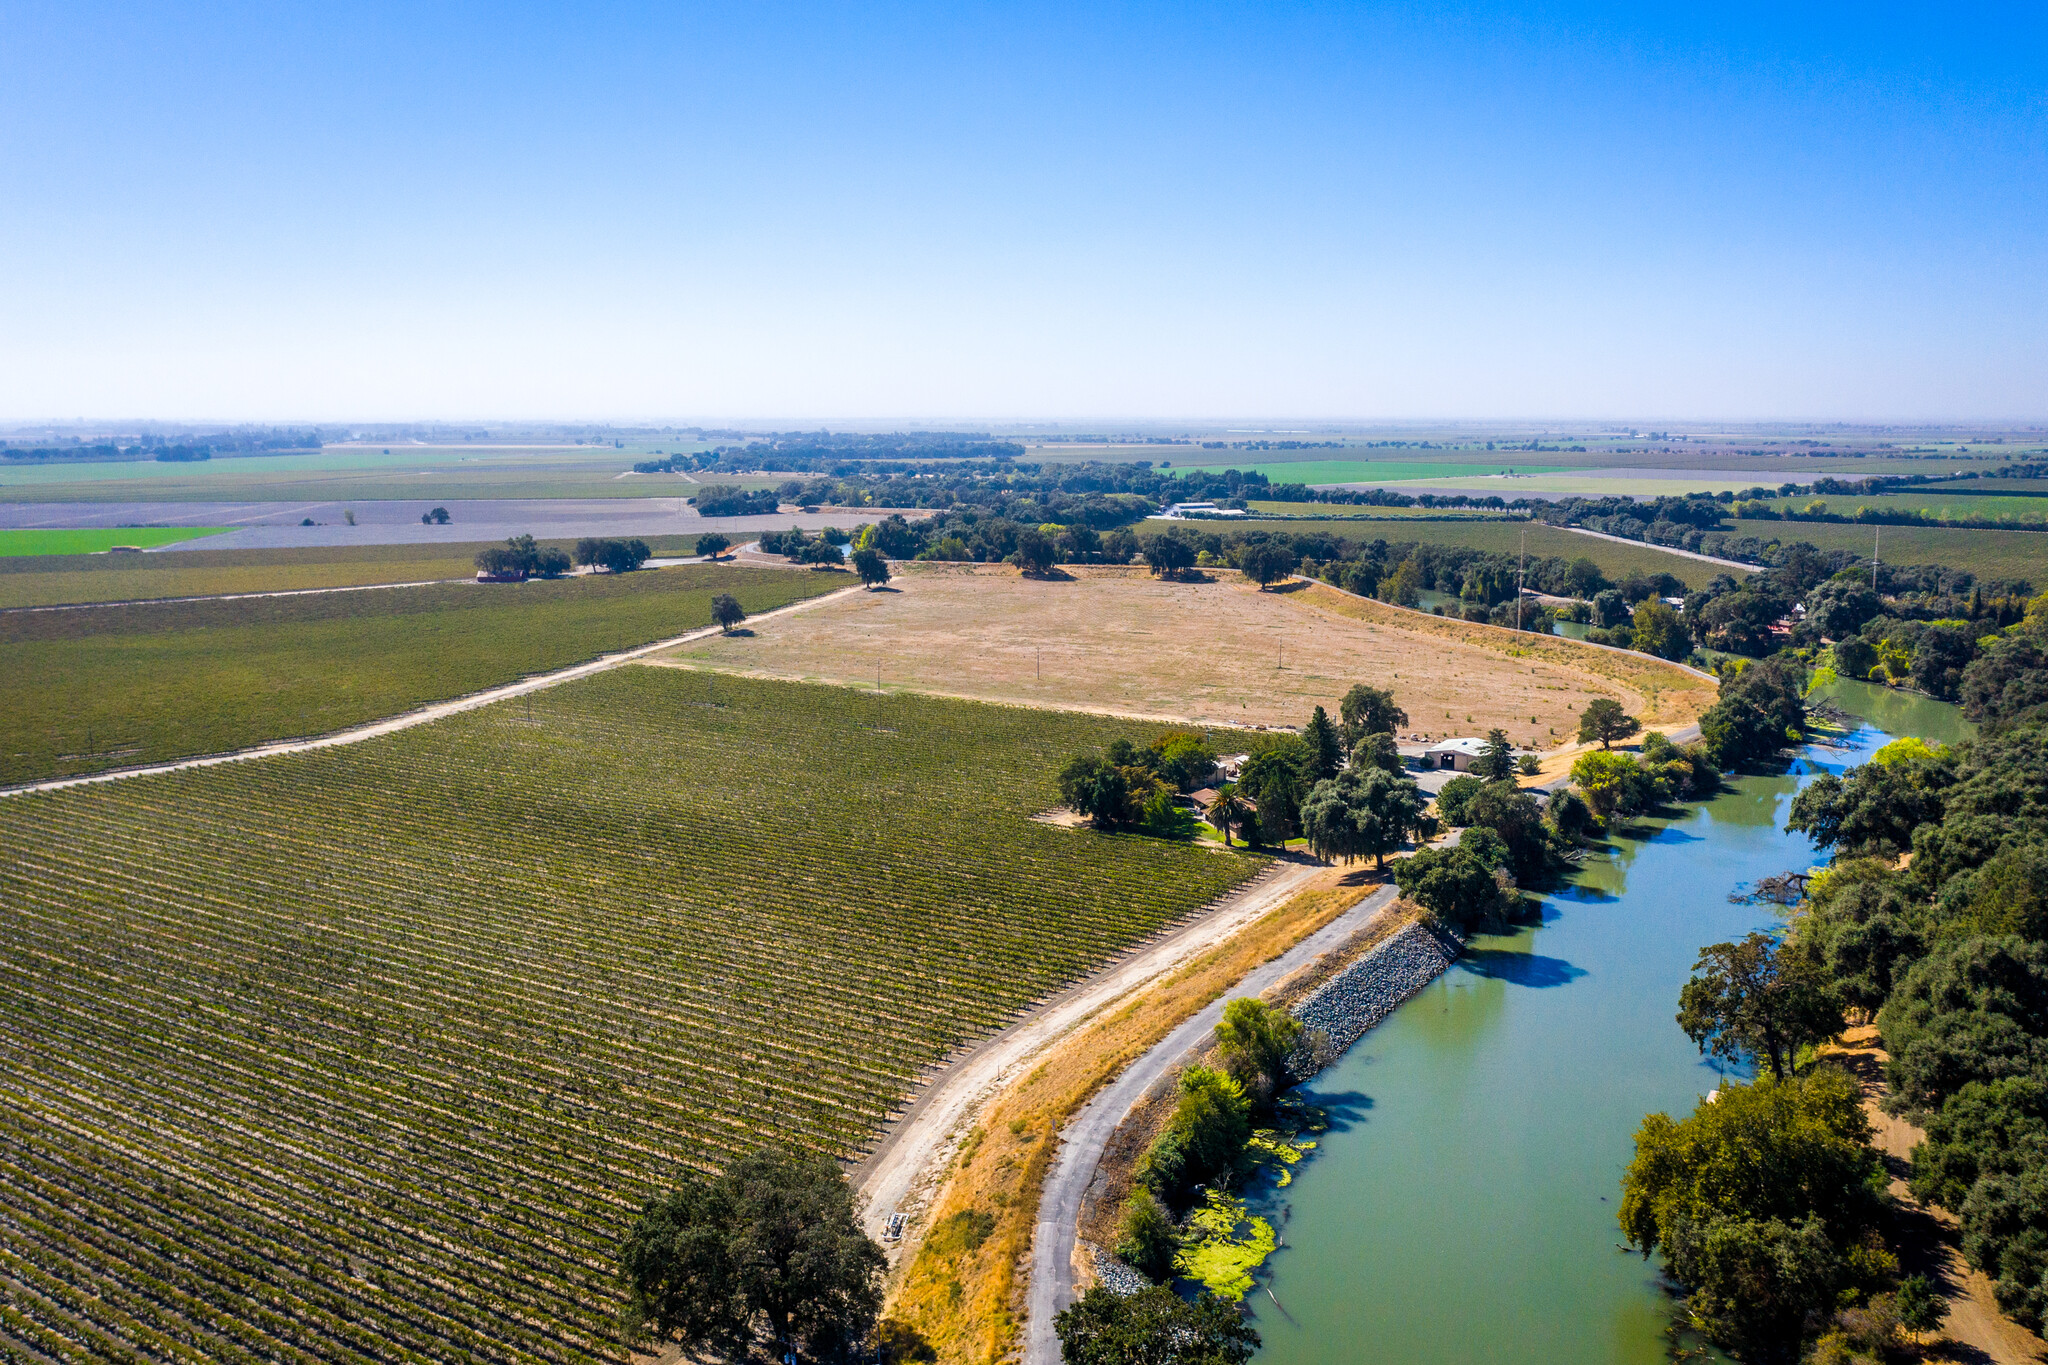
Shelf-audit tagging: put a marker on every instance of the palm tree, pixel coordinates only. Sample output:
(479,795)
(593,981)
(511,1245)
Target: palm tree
(1225,811)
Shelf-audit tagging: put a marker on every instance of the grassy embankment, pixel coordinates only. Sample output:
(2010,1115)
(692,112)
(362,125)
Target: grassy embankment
(962,1289)
(118,686)
(1672,696)
(372,1052)
(1615,559)
(58,580)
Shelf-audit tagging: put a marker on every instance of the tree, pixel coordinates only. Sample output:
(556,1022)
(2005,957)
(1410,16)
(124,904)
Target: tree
(1971,1010)
(1464,885)
(1153,1327)
(437,517)
(1277,779)
(1147,1238)
(712,544)
(770,1251)
(1453,800)
(871,566)
(1755,1001)
(1169,556)
(1584,578)
(1226,811)
(1255,1040)
(1613,783)
(1604,720)
(1658,631)
(1361,812)
(727,612)
(1267,562)
(1497,764)
(1874,809)
(1184,758)
(1379,751)
(1322,739)
(1762,1202)
(1760,711)
(1369,711)
(1035,554)
(1212,1120)
(1092,786)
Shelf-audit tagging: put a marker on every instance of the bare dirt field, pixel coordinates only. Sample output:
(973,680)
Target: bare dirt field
(1217,652)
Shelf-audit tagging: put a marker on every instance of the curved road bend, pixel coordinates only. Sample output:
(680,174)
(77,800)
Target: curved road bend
(424,714)
(1082,1141)
(895,1175)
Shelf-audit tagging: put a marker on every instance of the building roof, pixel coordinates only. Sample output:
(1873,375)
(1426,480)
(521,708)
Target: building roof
(1465,745)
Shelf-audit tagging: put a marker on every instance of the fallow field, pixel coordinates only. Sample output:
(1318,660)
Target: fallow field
(370,1054)
(1217,652)
(117,686)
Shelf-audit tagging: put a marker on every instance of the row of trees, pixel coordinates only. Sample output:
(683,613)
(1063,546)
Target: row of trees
(521,557)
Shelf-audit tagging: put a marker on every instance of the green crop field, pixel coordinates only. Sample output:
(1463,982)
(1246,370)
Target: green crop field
(1615,559)
(1339,512)
(1370,471)
(19,544)
(371,1054)
(1987,554)
(2015,507)
(54,580)
(105,687)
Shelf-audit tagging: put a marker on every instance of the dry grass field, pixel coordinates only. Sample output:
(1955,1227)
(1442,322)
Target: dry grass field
(1219,652)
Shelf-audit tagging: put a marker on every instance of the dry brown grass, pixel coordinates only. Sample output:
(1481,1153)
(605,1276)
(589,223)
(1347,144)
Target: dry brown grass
(965,1297)
(1668,695)
(1216,652)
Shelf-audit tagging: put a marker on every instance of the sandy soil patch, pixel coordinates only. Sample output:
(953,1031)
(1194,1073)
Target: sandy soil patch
(1217,652)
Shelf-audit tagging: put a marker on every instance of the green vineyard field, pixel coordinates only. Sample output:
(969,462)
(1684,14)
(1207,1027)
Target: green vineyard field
(369,1054)
(118,686)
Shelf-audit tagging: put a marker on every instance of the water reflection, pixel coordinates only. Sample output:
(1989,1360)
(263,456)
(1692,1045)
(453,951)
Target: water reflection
(1473,1217)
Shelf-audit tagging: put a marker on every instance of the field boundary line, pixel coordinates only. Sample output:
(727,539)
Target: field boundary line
(418,716)
(229,596)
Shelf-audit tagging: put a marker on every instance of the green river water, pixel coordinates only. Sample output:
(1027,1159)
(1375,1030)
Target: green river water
(1462,1206)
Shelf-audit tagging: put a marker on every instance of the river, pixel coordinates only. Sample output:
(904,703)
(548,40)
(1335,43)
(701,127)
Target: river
(1462,1206)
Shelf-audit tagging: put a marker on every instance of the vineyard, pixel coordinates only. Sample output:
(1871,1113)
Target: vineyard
(123,685)
(368,1054)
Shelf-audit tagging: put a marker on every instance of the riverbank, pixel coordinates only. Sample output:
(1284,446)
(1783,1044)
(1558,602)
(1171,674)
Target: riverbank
(1478,1134)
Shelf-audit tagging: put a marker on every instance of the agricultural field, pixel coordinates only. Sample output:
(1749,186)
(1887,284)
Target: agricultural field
(1616,560)
(372,1053)
(434,473)
(56,580)
(1987,554)
(16,543)
(117,686)
(1336,512)
(1219,652)
(1363,470)
(2020,508)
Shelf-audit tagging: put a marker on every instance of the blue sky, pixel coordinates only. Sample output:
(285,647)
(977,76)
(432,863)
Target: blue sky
(1096,211)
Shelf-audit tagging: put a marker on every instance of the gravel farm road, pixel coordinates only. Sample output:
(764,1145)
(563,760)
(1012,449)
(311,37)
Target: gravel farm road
(1082,1141)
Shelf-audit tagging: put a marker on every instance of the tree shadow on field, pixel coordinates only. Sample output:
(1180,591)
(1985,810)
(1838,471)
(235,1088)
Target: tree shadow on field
(737,632)
(1291,585)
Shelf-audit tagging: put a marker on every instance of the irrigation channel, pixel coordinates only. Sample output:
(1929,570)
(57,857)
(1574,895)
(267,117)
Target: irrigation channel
(1462,1206)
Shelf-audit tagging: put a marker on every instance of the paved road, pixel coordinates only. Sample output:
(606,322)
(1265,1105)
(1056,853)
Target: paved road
(421,716)
(1082,1141)
(1664,549)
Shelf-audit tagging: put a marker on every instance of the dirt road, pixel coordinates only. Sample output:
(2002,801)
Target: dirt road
(422,716)
(901,1172)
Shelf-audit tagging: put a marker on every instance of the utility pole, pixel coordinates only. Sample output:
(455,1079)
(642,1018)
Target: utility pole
(1876,538)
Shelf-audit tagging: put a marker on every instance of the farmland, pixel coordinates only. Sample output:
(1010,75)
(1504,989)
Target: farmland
(1987,554)
(369,1054)
(53,580)
(1616,560)
(93,540)
(1216,652)
(117,686)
